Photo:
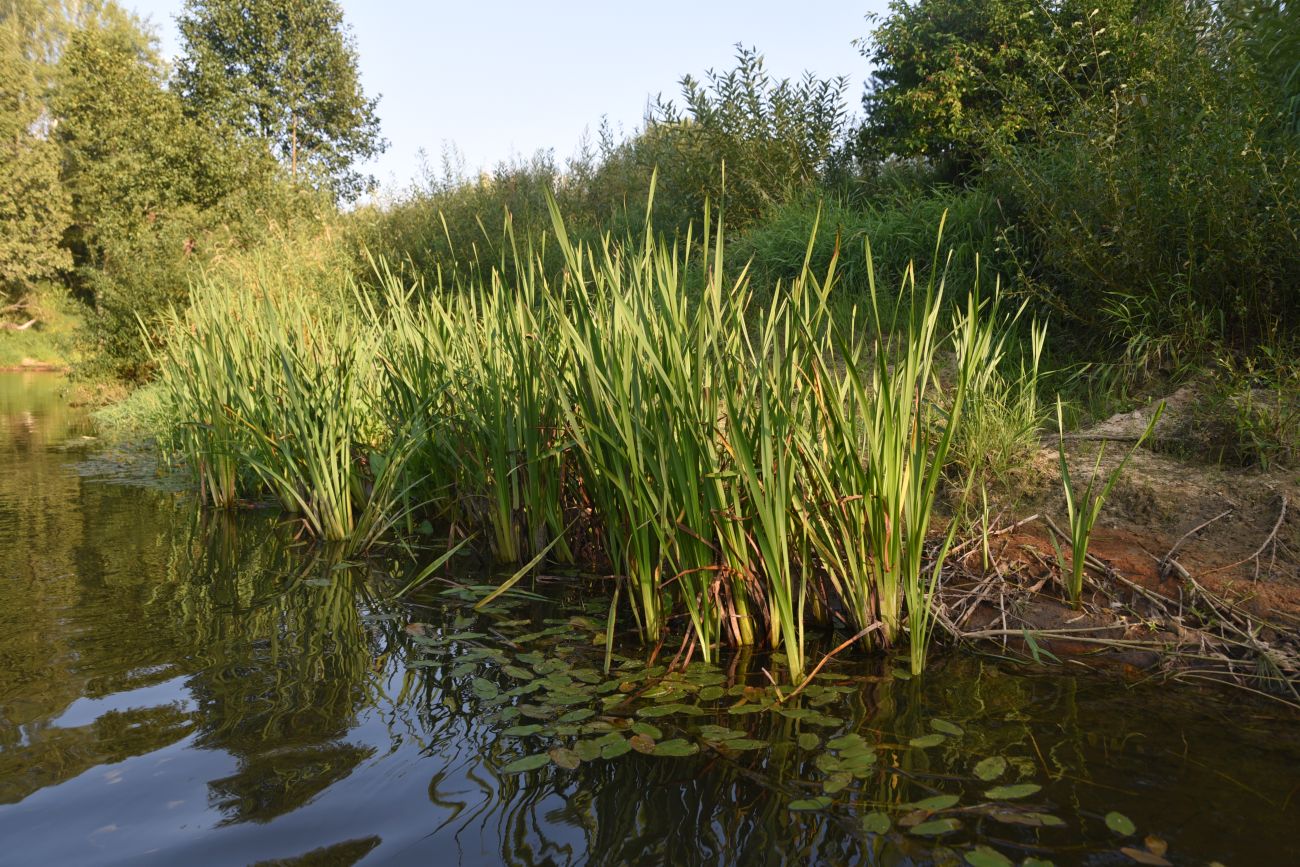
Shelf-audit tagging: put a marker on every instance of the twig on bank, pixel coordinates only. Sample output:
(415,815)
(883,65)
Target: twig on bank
(1168,560)
(1272,537)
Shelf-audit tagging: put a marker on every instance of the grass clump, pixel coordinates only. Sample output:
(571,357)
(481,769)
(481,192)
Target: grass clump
(757,467)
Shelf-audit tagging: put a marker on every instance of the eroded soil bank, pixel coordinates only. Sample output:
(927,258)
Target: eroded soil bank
(1190,560)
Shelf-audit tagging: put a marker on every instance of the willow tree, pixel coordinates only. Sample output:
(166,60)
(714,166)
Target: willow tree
(284,72)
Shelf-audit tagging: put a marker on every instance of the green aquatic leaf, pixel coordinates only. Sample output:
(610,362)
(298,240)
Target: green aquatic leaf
(991,768)
(876,823)
(1029,819)
(565,758)
(668,710)
(523,731)
(845,742)
(1036,862)
(1120,824)
(936,827)
(518,672)
(484,688)
(737,709)
(837,782)
(809,741)
(649,730)
(676,747)
(947,728)
(578,715)
(614,749)
(527,763)
(927,741)
(537,711)
(933,805)
(828,764)
(983,856)
(743,744)
(712,693)
(1011,793)
(588,750)
(821,802)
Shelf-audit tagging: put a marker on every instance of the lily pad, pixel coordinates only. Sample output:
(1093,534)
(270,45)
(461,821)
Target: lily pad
(1143,856)
(614,749)
(565,758)
(1120,824)
(577,715)
(844,742)
(712,693)
(936,827)
(809,741)
(947,728)
(587,750)
(837,782)
(647,729)
(1011,793)
(805,804)
(485,688)
(983,856)
(927,741)
(744,744)
(523,731)
(642,744)
(991,768)
(676,747)
(876,823)
(933,805)
(527,763)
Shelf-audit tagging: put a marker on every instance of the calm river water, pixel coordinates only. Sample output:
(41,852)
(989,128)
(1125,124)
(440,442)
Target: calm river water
(181,687)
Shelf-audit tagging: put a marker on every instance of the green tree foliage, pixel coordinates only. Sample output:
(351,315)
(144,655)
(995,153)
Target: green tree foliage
(34,208)
(949,76)
(155,193)
(773,137)
(1166,209)
(284,72)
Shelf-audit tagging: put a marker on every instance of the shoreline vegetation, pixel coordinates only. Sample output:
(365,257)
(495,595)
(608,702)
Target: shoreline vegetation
(820,422)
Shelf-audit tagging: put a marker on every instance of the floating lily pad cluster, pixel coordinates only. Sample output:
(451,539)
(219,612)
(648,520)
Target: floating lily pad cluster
(546,691)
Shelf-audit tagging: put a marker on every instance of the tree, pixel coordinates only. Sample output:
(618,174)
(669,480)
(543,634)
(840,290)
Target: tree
(773,136)
(33,204)
(952,77)
(284,72)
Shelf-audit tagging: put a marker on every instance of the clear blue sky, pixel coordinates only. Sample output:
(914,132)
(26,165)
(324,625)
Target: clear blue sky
(506,78)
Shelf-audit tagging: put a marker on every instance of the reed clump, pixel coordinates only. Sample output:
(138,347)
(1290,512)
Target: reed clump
(756,466)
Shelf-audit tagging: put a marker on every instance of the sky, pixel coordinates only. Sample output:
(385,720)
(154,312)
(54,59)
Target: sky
(506,78)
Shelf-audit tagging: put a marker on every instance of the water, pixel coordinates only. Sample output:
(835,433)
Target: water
(178,687)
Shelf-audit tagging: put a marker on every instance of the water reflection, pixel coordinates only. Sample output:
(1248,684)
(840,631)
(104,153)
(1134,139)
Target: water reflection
(184,686)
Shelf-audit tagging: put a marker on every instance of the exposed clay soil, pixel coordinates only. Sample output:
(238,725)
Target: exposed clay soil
(1249,557)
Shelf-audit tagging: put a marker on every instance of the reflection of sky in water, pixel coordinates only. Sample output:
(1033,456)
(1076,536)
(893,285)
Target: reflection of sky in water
(178,688)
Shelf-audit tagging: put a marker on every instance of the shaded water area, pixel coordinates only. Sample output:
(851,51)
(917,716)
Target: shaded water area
(187,687)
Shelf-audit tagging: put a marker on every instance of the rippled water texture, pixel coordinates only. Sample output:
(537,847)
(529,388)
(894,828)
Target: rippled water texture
(188,688)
